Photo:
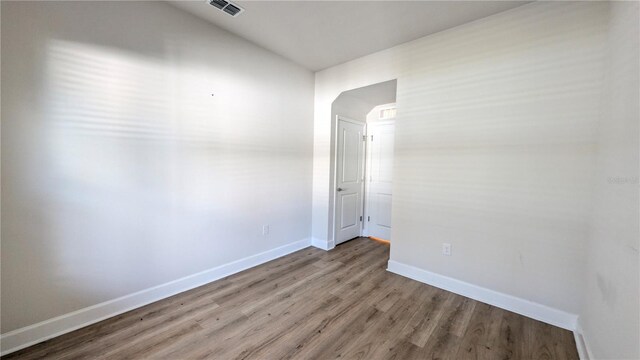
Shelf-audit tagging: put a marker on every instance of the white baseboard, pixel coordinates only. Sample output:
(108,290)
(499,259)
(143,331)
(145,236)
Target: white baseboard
(517,305)
(323,244)
(584,352)
(33,334)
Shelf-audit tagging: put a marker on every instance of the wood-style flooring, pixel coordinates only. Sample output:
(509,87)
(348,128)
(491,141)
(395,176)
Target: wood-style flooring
(314,304)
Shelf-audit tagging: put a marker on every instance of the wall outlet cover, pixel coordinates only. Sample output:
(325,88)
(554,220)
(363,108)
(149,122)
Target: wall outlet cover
(446,249)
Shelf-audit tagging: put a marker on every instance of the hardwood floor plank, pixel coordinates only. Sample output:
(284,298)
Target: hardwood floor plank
(308,329)
(259,338)
(376,341)
(547,342)
(475,340)
(111,329)
(332,340)
(314,304)
(510,342)
(442,342)
(461,322)
(425,320)
(317,277)
(143,347)
(146,329)
(394,289)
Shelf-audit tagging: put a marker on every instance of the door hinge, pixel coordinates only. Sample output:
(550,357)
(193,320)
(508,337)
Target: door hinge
(371,137)
(360,218)
(368,218)
(364,137)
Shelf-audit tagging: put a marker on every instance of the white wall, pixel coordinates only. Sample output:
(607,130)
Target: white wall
(611,317)
(120,171)
(495,147)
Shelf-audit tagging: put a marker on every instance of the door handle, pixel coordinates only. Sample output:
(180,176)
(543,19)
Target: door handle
(341,189)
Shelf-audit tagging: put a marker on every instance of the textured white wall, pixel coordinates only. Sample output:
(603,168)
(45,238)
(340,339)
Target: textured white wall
(120,171)
(495,147)
(611,315)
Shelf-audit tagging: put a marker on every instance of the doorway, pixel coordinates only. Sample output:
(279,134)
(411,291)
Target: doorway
(362,159)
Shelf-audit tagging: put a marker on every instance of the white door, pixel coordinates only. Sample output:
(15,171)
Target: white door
(380,164)
(349,180)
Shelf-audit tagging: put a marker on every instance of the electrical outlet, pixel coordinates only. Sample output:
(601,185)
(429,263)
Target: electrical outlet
(265,230)
(446,249)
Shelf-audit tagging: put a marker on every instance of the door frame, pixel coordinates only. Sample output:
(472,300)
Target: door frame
(367,173)
(335,174)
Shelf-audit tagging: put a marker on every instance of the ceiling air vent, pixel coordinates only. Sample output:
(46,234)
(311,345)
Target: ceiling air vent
(219,3)
(232,10)
(229,8)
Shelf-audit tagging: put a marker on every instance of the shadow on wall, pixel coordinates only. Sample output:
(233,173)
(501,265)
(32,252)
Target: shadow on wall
(134,148)
(146,168)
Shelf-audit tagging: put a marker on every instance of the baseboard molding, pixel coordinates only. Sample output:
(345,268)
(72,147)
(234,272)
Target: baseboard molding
(33,334)
(584,352)
(323,244)
(517,305)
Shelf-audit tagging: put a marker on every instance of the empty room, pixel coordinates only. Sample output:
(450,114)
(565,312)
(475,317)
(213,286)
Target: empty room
(222,179)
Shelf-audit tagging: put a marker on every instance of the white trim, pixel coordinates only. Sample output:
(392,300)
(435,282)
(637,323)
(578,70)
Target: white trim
(33,334)
(584,351)
(323,244)
(517,305)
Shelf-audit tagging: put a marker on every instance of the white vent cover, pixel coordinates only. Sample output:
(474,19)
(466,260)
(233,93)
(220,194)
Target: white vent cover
(226,6)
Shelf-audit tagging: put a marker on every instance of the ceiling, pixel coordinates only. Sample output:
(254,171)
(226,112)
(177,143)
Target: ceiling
(320,34)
